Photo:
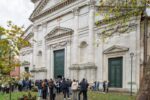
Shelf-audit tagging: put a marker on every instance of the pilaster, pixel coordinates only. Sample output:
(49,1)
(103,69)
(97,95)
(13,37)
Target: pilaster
(75,36)
(91,31)
(44,29)
(35,30)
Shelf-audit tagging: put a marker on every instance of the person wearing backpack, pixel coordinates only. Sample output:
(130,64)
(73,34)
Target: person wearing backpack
(74,87)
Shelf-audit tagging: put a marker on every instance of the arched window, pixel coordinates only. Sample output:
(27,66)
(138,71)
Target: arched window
(83,52)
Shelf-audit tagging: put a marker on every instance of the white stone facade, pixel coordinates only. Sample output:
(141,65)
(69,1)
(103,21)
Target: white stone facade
(70,25)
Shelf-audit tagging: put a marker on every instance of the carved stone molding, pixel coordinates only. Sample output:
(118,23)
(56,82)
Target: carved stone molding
(60,44)
(75,11)
(118,29)
(26,52)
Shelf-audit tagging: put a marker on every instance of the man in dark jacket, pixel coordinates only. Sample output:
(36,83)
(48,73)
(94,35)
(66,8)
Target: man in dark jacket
(83,89)
(65,87)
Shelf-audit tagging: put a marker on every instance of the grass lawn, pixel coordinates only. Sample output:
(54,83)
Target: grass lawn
(91,96)
(14,95)
(109,96)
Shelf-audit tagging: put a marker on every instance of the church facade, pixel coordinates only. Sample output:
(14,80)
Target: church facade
(66,43)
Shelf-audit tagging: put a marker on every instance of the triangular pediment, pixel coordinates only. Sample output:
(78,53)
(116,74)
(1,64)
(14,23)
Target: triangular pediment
(47,7)
(58,32)
(38,8)
(50,3)
(115,49)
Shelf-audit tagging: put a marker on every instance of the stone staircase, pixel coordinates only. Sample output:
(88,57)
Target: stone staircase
(144,93)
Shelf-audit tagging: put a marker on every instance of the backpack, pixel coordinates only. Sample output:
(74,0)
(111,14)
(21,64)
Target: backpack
(43,84)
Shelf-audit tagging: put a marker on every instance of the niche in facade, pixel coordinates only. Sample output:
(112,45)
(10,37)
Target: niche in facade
(83,52)
(39,55)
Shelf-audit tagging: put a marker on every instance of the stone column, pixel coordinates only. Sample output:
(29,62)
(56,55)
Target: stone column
(44,45)
(35,30)
(91,31)
(91,62)
(68,51)
(75,37)
(48,62)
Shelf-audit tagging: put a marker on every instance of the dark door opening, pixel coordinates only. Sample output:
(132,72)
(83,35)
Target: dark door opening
(59,63)
(115,72)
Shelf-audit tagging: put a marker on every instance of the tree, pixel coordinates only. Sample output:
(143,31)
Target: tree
(10,44)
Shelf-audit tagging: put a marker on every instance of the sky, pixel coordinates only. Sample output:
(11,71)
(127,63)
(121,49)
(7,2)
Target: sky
(17,11)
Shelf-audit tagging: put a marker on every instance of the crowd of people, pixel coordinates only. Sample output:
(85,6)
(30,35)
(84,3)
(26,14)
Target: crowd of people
(51,88)
(102,86)
(21,85)
(66,86)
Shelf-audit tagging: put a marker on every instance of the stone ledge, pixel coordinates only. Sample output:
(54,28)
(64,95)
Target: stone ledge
(83,66)
(39,70)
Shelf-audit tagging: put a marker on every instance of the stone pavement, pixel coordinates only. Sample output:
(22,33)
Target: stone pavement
(59,97)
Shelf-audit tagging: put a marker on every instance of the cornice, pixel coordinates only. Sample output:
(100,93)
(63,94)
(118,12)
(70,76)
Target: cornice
(34,1)
(61,12)
(36,13)
(29,36)
(115,49)
(42,69)
(83,66)
(54,34)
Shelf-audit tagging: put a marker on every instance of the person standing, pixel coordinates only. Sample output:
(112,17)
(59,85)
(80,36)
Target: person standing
(69,88)
(65,88)
(39,85)
(58,86)
(44,89)
(83,89)
(74,88)
(104,86)
(107,86)
(52,90)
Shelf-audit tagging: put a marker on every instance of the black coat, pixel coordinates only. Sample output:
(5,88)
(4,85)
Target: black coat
(64,85)
(84,86)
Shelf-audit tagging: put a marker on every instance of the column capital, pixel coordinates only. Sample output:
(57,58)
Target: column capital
(75,11)
(91,4)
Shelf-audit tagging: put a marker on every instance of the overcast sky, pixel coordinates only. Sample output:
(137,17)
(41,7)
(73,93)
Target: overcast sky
(18,11)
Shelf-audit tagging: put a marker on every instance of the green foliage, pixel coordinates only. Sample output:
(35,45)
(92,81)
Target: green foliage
(17,95)
(119,12)
(10,44)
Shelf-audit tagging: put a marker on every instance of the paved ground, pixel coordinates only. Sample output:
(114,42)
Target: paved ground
(58,97)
